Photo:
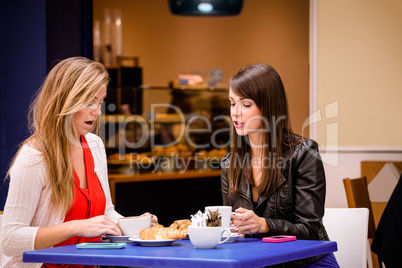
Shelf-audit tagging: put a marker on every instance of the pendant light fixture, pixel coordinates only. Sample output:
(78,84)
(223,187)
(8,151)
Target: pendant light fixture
(205,7)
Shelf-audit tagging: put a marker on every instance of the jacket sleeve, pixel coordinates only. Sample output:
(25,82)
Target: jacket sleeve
(308,180)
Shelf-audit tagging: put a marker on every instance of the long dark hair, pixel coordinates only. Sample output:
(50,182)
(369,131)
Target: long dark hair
(264,86)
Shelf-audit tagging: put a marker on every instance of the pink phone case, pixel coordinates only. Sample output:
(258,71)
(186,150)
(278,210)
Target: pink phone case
(279,238)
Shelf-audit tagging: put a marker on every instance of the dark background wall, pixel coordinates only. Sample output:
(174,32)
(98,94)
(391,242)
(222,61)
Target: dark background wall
(34,35)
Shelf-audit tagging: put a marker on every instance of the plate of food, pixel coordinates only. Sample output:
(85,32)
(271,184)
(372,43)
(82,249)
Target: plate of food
(152,243)
(158,235)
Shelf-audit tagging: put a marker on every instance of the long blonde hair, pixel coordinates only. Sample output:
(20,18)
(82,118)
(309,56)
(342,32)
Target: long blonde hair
(69,86)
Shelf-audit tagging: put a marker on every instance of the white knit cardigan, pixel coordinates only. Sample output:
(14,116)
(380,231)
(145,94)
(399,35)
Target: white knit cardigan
(28,205)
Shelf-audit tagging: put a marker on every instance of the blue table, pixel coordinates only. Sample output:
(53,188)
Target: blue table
(245,252)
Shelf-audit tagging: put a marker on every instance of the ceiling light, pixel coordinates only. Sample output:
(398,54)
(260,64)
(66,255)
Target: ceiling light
(205,7)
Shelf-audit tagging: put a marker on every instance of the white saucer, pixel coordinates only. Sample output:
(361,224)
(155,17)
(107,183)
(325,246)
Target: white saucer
(233,237)
(119,239)
(152,243)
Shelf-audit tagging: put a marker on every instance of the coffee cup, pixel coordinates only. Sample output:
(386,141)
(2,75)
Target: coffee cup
(224,211)
(131,226)
(207,237)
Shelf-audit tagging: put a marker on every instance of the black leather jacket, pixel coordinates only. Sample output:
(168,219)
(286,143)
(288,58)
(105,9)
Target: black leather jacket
(296,206)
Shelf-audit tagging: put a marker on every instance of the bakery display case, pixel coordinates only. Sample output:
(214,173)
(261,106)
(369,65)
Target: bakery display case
(164,142)
(170,149)
(175,129)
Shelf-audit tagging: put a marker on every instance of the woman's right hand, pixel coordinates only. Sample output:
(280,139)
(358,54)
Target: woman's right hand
(248,222)
(96,226)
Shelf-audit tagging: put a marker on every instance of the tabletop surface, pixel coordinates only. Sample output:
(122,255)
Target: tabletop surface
(245,252)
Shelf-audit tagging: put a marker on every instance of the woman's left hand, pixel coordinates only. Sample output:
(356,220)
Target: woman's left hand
(248,222)
(154,219)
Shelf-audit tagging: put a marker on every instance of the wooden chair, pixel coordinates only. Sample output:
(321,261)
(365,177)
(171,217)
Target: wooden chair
(358,197)
(370,170)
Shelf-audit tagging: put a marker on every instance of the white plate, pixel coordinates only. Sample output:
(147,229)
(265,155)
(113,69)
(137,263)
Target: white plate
(152,243)
(119,239)
(233,237)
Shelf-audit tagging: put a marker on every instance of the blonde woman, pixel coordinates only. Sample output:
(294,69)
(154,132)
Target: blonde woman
(59,192)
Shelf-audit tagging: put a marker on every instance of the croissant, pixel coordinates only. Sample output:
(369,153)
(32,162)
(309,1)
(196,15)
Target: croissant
(181,224)
(177,230)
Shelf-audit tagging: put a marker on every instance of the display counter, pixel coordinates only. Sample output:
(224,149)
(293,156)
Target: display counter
(158,176)
(168,195)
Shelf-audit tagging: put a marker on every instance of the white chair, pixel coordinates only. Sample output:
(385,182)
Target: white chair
(349,228)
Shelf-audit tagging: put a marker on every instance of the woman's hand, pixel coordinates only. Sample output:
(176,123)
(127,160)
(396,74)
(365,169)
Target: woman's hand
(154,219)
(52,235)
(248,223)
(96,226)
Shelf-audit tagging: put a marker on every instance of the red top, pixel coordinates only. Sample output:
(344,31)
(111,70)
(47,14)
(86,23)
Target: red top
(88,203)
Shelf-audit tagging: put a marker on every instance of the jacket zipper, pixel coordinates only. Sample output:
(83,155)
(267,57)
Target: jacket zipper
(248,199)
(276,197)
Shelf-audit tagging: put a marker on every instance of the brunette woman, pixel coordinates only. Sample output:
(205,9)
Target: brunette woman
(273,178)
